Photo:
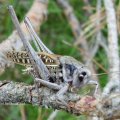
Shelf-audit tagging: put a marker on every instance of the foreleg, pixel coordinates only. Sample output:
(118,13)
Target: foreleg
(97,86)
(61,89)
(60,94)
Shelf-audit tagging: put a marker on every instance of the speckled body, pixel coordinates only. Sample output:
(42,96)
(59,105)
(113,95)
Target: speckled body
(61,68)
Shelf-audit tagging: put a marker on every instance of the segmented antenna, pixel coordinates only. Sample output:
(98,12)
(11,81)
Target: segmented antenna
(99,74)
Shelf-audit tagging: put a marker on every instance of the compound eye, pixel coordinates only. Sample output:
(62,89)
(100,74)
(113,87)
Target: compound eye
(80,78)
(84,73)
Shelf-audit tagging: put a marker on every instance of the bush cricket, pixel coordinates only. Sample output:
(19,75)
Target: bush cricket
(62,70)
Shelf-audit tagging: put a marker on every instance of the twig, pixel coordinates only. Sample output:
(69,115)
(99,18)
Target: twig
(39,114)
(87,3)
(98,9)
(98,36)
(68,11)
(114,81)
(104,45)
(22,111)
(89,27)
(98,40)
(93,51)
(53,115)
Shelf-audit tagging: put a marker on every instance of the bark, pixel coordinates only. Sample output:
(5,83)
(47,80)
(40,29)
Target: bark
(20,93)
(113,53)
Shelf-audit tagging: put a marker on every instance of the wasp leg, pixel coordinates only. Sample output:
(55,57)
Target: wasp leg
(38,40)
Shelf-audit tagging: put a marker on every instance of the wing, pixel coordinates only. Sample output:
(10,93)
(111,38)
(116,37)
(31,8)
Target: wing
(22,58)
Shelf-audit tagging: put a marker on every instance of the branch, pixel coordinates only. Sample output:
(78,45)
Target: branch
(37,15)
(20,93)
(113,53)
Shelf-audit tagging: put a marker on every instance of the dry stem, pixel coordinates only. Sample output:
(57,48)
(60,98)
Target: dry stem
(113,53)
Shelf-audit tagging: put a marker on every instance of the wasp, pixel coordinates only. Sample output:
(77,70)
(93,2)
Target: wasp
(64,70)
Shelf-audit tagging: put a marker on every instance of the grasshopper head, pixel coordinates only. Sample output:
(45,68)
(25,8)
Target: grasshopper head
(81,76)
(74,72)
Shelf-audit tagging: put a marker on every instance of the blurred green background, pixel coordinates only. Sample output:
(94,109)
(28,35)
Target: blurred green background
(53,32)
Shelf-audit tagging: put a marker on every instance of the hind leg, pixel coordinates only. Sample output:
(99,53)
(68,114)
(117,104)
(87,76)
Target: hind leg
(60,94)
